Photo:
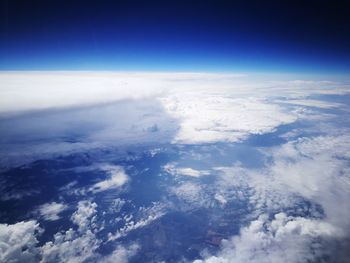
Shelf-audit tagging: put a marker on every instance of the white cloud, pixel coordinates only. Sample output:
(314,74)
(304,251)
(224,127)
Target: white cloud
(145,216)
(70,247)
(220,198)
(18,242)
(51,211)
(312,169)
(115,109)
(186,171)
(121,254)
(192,172)
(317,168)
(193,195)
(283,239)
(116,205)
(106,109)
(75,246)
(85,217)
(313,103)
(117,178)
(188,191)
(209,118)
(22,91)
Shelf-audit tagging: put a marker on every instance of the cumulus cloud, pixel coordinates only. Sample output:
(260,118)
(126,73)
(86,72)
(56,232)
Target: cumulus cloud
(69,246)
(317,168)
(283,239)
(18,242)
(307,169)
(72,245)
(51,211)
(117,178)
(85,217)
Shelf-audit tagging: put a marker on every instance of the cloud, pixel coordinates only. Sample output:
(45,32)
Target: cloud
(55,132)
(18,242)
(295,205)
(186,171)
(220,198)
(117,178)
(72,245)
(85,111)
(29,90)
(84,217)
(283,239)
(26,91)
(142,218)
(207,118)
(69,246)
(193,195)
(51,211)
(317,168)
(299,176)
(313,103)
(121,254)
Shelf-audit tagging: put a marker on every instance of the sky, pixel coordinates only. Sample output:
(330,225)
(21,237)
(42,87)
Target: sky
(218,36)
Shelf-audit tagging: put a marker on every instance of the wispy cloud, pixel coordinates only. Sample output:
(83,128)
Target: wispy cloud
(51,211)
(172,169)
(117,178)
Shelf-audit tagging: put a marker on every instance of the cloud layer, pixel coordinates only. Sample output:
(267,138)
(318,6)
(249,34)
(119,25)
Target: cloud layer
(54,113)
(268,160)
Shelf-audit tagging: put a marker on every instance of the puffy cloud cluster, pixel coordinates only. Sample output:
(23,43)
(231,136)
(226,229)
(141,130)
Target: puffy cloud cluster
(313,169)
(318,169)
(71,245)
(18,242)
(85,217)
(283,239)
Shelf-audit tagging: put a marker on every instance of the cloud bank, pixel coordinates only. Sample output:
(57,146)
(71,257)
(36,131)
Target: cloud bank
(55,113)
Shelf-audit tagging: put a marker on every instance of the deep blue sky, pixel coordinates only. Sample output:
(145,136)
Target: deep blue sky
(290,36)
